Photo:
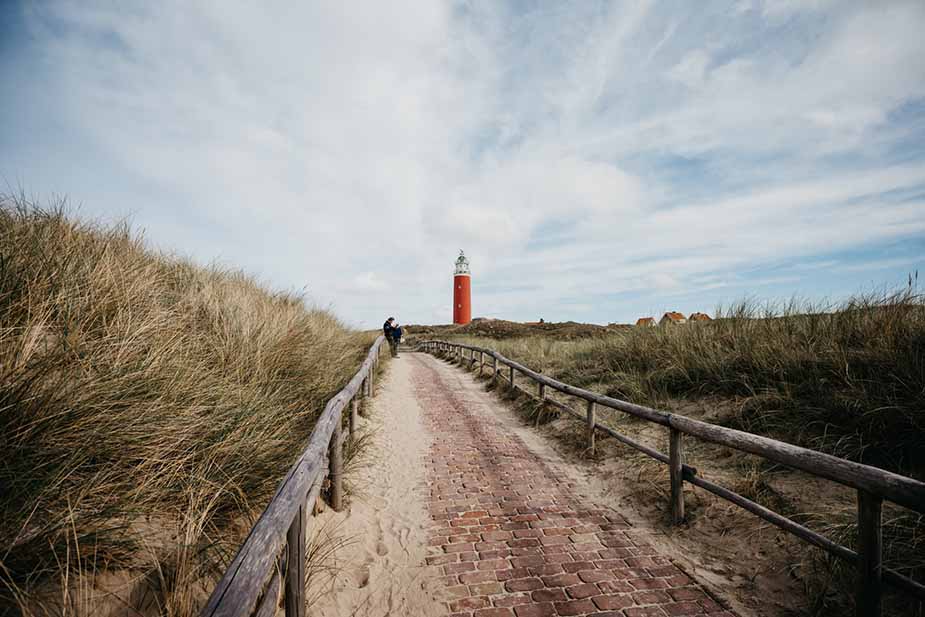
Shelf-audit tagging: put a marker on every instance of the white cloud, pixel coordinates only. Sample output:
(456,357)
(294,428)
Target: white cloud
(692,69)
(780,9)
(368,282)
(354,151)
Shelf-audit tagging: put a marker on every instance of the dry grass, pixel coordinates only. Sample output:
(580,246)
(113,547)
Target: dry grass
(846,379)
(148,409)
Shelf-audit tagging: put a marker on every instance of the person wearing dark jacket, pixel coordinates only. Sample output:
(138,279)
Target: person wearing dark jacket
(396,335)
(392,332)
(387,328)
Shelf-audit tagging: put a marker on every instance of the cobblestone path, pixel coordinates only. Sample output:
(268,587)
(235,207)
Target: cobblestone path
(511,537)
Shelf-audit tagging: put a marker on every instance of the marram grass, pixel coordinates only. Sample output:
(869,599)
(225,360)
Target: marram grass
(148,409)
(845,378)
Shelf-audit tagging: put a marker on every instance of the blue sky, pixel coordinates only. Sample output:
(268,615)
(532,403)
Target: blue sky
(599,161)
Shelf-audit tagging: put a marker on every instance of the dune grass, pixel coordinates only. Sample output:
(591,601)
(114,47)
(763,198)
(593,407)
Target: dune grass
(848,379)
(148,409)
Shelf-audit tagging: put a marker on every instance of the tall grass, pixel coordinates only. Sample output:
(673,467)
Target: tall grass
(848,379)
(148,409)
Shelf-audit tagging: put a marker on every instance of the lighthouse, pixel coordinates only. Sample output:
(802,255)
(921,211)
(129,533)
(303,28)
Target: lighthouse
(462,300)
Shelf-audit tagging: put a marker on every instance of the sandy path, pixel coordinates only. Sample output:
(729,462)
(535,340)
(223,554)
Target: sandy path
(517,530)
(505,526)
(378,567)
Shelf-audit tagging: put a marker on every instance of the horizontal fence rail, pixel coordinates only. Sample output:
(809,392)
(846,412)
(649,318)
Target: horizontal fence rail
(273,555)
(873,485)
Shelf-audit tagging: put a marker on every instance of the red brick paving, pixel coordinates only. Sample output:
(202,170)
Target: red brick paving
(511,538)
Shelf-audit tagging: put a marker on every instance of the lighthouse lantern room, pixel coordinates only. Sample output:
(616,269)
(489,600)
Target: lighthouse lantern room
(462,300)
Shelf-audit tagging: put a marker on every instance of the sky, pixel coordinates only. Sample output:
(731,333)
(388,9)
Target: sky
(598,161)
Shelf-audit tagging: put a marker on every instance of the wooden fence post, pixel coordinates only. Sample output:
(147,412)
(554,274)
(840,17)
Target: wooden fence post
(512,377)
(870,554)
(481,362)
(541,390)
(494,369)
(354,411)
(336,467)
(591,423)
(675,461)
(295,565)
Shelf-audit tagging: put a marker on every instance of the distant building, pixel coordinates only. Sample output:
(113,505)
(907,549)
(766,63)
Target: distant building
(672,317)
(646,321)
(699,317)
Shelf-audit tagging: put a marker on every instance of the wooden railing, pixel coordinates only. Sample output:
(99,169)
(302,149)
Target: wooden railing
(272,559)
(873,485)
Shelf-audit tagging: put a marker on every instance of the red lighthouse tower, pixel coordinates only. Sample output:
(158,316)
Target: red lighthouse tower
(462,299)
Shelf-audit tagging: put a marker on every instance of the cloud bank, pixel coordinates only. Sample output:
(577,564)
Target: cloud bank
(597,161)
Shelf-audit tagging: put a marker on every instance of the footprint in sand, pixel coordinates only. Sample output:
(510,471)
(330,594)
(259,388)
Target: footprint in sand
(362,577)
(382,549)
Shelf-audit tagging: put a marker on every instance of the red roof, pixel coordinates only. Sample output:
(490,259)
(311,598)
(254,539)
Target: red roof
(674,316)
(700,317)
(645,321)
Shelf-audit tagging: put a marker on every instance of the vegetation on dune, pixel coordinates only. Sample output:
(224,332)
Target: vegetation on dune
(502,329)
(846,379)
(148,409)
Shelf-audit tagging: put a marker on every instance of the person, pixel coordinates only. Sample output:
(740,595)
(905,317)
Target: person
(388,329)
(396,337)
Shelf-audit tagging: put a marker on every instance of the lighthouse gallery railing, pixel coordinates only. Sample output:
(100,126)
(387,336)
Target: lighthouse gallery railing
(873,485)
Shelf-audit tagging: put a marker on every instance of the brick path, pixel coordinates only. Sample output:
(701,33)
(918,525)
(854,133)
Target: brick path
(510,536)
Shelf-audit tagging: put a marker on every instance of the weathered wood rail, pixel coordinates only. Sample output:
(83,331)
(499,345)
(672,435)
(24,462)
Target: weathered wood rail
(271,561)
(873,485)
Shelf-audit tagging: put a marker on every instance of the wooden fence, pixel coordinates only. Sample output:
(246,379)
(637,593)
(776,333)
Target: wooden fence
(272,559)
(873,485)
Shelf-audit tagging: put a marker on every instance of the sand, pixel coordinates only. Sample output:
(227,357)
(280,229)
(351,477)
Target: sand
(380,571)
(377,567)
